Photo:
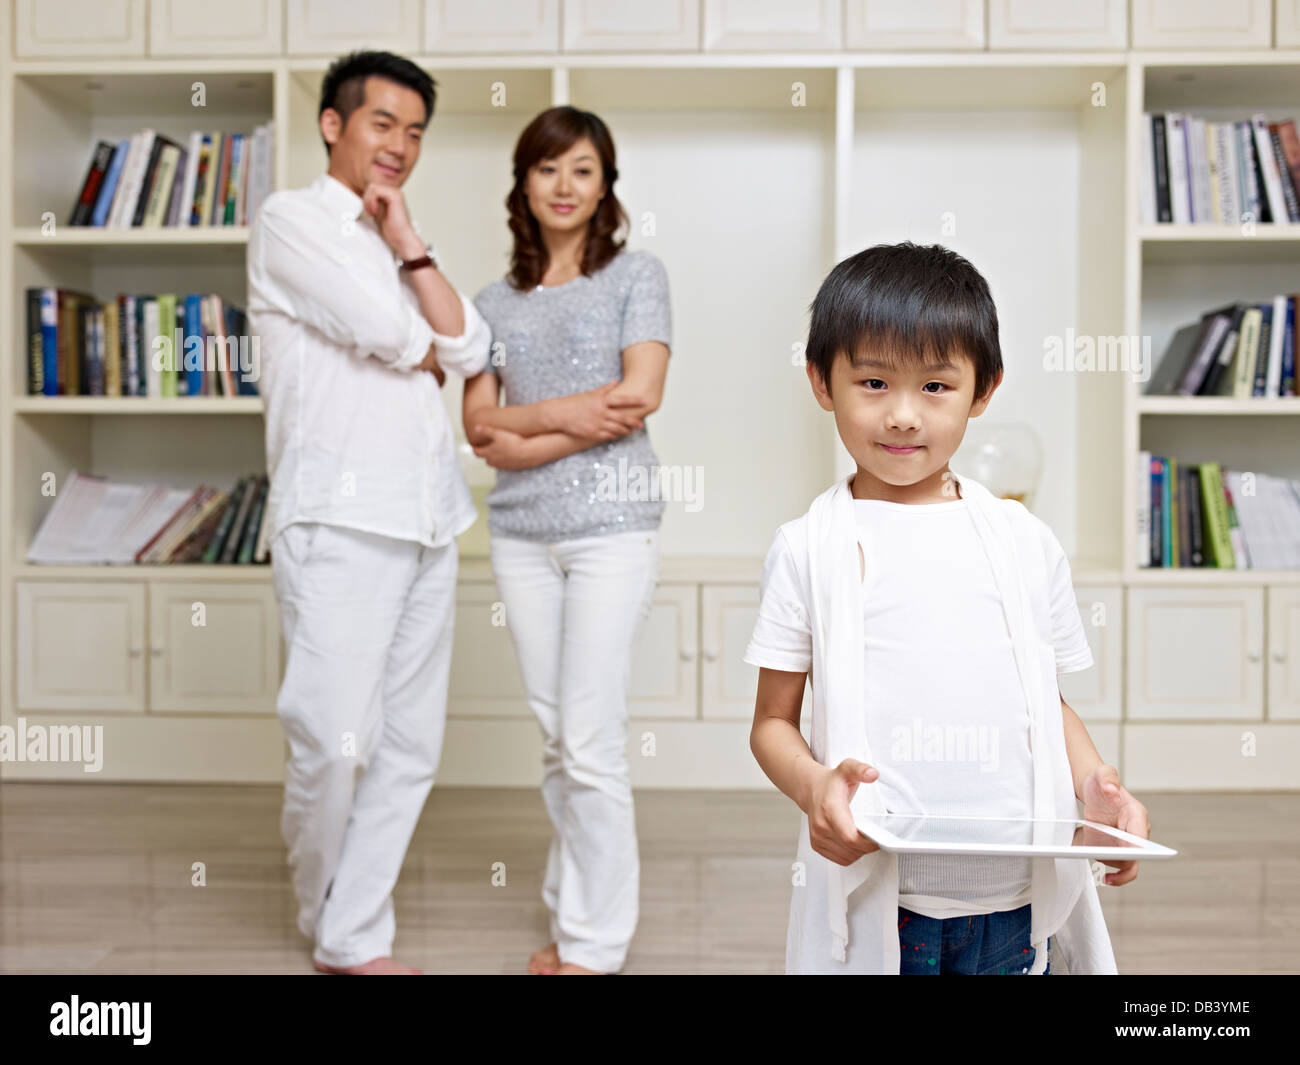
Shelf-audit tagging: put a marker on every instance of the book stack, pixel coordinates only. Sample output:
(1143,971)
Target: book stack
(138,345)
(1197,171)
(1199,514)
(211,179)
(1241,351)
(96,521)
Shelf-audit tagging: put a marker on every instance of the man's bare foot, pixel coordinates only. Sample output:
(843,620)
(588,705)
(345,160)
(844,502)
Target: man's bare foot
(373,967)
(544,962)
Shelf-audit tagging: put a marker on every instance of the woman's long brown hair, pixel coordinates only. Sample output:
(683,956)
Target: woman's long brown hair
(550,134)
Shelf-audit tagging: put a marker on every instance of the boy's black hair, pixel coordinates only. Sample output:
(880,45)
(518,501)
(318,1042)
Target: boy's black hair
(905,303)
(344,85)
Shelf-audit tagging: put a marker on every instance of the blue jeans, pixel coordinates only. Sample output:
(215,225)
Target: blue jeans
(986,944)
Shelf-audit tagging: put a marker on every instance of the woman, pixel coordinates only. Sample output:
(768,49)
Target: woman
(581,332)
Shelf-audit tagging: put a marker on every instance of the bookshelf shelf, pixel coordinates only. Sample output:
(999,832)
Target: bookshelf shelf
(83,236)
(179,406)
(1198,405)
(141,572)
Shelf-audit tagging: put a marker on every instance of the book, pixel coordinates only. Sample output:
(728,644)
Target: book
(83,210)
(108,189)
(230,548)
(215,546)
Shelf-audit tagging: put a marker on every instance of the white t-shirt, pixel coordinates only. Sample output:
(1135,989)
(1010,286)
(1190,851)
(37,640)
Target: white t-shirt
(946,715)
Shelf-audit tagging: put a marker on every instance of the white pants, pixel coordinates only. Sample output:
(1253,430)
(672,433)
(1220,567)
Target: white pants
(573,609)
(367,623)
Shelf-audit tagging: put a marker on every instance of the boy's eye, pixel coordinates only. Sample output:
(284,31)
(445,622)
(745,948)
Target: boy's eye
(870,381)
(939,383)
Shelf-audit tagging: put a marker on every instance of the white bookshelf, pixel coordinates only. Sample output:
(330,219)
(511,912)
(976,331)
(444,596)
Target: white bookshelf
(749,200)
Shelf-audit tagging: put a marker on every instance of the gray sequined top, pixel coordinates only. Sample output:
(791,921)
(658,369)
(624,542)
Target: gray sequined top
(570,338)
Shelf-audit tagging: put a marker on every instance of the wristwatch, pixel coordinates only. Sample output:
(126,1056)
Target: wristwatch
(428,259)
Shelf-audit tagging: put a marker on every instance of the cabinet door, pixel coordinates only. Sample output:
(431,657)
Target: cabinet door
(665,660)
(81,646)
(1287,24)
(876,25)
(493,26)
(631,25)
(728,683)
(63,28)
(214,647)
(197,27)
(485,680)
(1284,653)
(1202,23)
(1096,694)
(1195,653)
(772,25)
(333,27)
(1058,23)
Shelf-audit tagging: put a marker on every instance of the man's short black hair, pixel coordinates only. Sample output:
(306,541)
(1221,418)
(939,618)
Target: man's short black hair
(344,85)
(906,303)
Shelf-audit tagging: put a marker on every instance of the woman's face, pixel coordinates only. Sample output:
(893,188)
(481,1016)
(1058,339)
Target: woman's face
(563,193)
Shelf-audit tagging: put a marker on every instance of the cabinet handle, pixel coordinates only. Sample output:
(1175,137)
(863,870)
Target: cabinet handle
(710,656)
(687,656)
(1253,656)
(1279,656)
(135,652)
(157,652)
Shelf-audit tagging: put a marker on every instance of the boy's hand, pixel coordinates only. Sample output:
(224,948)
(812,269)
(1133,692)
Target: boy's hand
(830,823)
(1107,802)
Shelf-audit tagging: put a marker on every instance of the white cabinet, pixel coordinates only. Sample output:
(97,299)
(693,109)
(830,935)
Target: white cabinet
(878,25)
(197,27)
(61,28)
(665,659)
(772,25)
(81,647)
(1063,24)
(1202,23)
(727,683)
(485,679)
(1286,27)
(1195,653)
(1097,694)
(214,647)
(334,27)
(1284,653)
(631,25)
(493,26)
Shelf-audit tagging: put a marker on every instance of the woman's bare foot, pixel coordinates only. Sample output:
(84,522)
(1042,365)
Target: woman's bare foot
(546,961)
(569,969)
(373,967)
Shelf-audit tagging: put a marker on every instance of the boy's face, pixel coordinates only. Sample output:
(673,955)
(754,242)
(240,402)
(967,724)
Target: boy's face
(901,425)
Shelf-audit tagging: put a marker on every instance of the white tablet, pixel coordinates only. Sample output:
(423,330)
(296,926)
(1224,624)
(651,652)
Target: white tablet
(1012,837)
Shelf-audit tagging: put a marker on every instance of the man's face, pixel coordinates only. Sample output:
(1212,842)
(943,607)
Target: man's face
(381,141)
(902,425)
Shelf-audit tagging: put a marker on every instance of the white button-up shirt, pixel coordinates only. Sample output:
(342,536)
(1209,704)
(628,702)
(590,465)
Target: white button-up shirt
(355,435)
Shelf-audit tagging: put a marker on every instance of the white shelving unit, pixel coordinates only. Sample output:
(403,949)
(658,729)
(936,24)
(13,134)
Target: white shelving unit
(1006,131)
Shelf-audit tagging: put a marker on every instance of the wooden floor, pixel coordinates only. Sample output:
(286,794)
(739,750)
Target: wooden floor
(97,878)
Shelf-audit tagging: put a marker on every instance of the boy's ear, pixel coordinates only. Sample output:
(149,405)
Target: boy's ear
(819,387)
(981,404)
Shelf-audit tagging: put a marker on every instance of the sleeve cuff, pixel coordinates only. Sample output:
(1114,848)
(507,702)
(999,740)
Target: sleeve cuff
(421,336)
(467,354)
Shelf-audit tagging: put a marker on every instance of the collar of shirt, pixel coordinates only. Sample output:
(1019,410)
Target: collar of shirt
(337,196)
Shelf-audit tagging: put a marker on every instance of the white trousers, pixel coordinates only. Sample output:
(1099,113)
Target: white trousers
(573,609)
(367,623)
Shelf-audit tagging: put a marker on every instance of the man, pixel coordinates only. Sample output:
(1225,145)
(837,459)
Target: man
(366,500)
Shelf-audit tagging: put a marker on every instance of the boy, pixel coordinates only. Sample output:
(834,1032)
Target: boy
(923,609)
